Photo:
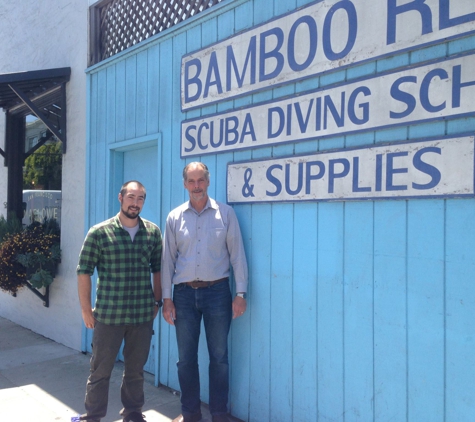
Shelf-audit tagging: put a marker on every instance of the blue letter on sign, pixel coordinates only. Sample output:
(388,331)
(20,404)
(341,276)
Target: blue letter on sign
(424,93)
(393,11)
(274,180)
(457,85)
(445,21)
(349,7)
(194,80)
(402,96)
(332,175)
(312,44)
(309,176)
(213,77)
(390,171)
(231,60)
(265,55)
(432,171)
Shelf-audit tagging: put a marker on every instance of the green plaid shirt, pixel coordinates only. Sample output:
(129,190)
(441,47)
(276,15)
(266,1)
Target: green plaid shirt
(124,288)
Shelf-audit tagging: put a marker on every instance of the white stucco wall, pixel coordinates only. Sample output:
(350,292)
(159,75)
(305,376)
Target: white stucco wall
(54,34)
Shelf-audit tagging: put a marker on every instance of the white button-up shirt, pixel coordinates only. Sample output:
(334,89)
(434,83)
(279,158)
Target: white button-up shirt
(202,246)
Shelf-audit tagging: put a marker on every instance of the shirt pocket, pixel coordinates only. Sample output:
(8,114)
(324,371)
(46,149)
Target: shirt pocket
(146,254)
(216,242)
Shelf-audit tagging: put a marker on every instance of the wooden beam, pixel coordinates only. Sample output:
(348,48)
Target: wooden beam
(15,158)
(37,112)
(40,143)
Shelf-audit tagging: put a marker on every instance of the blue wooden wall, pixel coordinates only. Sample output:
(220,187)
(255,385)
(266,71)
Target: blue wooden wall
(357,311)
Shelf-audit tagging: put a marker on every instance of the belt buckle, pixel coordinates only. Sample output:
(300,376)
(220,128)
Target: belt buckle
(197,285)
(200,284)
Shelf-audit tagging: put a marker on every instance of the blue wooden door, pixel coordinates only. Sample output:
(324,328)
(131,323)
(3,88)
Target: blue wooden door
(142,165)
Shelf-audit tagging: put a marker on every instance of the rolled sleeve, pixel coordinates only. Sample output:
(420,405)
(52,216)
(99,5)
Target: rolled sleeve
(89,255)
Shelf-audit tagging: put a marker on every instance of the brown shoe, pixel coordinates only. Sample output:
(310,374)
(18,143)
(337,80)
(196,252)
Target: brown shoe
(192,418)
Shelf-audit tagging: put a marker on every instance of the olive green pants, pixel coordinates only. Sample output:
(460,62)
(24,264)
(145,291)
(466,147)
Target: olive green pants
(106,342)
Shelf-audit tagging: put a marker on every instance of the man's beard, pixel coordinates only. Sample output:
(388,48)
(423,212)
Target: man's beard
(129,215)
(198,195)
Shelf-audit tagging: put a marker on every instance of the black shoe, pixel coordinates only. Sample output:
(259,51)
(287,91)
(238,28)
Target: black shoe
(134,417)
(220,418)
(191,418)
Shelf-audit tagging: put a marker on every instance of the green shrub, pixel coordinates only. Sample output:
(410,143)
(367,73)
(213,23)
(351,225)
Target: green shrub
(29,255)
(10,226)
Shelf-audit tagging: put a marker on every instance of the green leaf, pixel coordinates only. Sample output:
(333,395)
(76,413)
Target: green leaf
(41,278)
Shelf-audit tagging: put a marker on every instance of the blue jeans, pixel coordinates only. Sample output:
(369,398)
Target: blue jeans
(106,342)
(213,304)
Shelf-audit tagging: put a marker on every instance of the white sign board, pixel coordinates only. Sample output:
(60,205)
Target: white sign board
(429,168)
(444,88)
(40,205)
(317,38)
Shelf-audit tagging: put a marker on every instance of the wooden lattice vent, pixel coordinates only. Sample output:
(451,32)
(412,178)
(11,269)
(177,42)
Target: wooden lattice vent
(119,24)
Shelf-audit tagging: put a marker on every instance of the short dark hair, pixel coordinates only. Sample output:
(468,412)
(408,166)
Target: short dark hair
(123,189)
(197,164)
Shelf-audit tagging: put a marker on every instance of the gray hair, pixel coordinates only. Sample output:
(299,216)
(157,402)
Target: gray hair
(195,164)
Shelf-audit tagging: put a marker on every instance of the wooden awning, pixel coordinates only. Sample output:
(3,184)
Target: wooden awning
(38,92)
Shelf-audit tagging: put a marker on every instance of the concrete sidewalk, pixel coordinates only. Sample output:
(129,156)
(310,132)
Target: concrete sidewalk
(44,381)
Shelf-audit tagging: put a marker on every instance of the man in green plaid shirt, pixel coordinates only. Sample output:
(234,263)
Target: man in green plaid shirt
(125,250)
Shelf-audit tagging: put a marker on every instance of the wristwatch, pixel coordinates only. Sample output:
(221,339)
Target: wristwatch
(159,303)
(243,295)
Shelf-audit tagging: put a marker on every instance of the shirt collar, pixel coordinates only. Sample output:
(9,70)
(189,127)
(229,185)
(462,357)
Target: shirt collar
(211,203)
(118,224)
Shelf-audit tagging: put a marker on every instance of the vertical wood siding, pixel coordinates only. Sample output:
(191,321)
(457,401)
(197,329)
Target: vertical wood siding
(357,311)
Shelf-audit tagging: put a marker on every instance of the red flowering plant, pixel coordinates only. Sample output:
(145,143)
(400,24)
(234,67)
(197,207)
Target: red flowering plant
(29,256)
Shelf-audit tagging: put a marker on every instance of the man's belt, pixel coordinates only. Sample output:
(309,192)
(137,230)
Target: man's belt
(202,284)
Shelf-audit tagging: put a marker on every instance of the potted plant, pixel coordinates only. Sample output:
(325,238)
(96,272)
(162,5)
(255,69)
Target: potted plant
(41,265)
(29,257)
